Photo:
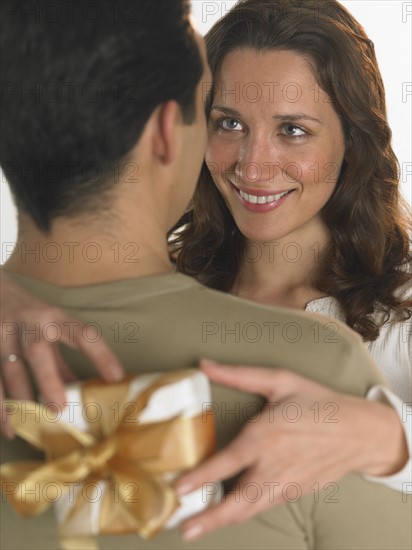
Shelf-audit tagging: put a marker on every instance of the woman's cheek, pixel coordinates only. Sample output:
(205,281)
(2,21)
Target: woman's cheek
(211,150)
(217,158)
(320,171)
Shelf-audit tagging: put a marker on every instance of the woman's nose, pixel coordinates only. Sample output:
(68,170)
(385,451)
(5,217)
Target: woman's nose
(258,162)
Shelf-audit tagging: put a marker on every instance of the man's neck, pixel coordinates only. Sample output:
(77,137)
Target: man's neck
(80,254)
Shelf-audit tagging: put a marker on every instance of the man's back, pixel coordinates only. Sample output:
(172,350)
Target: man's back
(169,322)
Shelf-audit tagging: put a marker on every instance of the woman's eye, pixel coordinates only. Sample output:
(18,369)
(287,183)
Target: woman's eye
(293,131)
(230,124)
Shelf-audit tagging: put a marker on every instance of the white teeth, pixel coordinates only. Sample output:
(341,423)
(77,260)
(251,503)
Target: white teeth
(261,199)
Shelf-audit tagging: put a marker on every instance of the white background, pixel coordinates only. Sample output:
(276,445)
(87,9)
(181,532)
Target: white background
(388,24)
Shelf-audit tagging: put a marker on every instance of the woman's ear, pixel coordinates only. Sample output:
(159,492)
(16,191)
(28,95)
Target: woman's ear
(168,119)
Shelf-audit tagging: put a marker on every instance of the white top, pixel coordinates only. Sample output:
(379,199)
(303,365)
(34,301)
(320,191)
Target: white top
(392,352)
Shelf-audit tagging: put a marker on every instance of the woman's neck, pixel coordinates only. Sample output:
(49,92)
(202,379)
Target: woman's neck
(282,272)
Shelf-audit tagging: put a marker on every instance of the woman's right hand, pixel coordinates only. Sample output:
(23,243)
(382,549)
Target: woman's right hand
(307,437)
(24,346)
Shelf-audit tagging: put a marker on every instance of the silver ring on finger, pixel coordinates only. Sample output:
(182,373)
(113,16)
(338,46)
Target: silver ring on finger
(11,358)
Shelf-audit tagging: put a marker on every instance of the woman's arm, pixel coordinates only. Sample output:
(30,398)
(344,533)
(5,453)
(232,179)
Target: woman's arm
(400,479)
(18,355)
(307,437)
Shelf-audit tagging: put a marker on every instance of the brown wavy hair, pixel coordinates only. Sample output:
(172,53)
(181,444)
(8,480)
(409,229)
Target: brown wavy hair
(369,258)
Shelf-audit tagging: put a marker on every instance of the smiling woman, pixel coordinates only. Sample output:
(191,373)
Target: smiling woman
(297,113)
(265,159)
(300,157)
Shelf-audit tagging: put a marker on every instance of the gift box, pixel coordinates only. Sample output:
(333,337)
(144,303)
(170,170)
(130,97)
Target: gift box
(113,453)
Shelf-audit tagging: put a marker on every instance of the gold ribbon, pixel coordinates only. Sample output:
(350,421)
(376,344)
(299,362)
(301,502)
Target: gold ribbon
(131,457)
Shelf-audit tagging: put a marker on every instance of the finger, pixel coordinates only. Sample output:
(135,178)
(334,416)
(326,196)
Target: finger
(16,381)
(271,383)
(86,338)
(233,509)
(66,373)
(42,359)
(223,465)
(5,425)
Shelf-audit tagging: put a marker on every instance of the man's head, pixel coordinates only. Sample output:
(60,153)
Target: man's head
(81,82)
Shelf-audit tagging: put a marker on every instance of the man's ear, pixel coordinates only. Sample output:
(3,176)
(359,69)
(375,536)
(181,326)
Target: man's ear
(166,131)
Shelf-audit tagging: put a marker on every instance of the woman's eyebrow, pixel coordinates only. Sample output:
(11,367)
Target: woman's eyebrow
(296,117)
(226,110)
(284,118)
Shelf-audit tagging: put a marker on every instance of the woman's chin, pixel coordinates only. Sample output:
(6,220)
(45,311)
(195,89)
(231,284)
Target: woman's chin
(260,235)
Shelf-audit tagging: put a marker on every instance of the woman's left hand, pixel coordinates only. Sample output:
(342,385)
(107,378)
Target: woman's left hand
(306,438)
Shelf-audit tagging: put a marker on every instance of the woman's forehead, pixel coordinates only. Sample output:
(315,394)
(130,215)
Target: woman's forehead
(280,80)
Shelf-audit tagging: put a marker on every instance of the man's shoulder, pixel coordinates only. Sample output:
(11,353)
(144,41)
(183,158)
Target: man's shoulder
(172,320)
(183,296)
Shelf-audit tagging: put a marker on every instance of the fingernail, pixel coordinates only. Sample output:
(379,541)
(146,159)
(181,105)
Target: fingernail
(8,431)
(55,402)
(6,428)
(117,373)
(193,532)
(183,488)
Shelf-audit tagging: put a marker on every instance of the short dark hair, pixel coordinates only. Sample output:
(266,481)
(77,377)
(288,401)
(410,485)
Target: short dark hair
(80,78)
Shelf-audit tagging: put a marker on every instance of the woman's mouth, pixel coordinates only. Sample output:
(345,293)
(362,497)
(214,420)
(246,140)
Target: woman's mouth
(262,201)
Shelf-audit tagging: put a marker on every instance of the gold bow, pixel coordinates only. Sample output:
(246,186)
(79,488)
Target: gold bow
(132,458)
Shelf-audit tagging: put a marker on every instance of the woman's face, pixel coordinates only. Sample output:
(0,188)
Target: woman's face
(276,144)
